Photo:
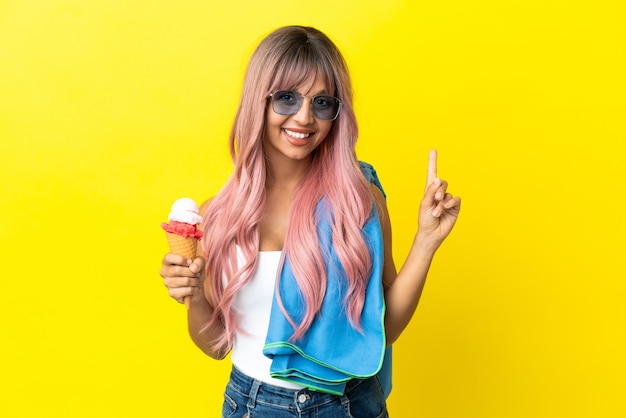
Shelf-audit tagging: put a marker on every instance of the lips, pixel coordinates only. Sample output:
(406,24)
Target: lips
(296,135)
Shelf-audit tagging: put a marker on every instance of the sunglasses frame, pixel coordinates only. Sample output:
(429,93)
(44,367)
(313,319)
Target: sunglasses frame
(300,100)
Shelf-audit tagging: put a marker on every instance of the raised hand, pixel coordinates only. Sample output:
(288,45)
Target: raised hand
(439,210)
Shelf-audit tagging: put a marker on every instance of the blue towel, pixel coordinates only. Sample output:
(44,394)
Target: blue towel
(332,352)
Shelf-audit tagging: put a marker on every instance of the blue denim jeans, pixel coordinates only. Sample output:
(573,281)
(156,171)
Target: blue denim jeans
(248,397)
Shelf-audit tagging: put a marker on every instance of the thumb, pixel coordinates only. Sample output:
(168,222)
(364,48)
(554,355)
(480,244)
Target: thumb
(197,265)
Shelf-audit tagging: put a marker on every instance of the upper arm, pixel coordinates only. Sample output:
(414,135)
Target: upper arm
(389,267)
(200,251)
(202,212)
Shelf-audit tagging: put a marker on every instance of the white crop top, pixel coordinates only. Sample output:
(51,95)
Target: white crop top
(253,304)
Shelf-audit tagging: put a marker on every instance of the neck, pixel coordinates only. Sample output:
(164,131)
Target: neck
(286,174)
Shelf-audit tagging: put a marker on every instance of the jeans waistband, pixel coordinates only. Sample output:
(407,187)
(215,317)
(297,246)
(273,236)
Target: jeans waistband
(259,391)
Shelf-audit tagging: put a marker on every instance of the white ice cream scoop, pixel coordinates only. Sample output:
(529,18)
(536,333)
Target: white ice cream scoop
(185,210)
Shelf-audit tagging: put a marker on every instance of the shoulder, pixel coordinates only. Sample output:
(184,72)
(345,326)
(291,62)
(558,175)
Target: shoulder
(204,207)
(381,204)
(371,176)
(368,170)
(378,193)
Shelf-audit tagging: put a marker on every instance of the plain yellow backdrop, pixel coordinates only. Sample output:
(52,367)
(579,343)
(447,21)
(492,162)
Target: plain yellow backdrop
(110,110)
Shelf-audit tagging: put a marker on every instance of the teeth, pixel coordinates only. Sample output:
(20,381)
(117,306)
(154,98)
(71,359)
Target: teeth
(296,134)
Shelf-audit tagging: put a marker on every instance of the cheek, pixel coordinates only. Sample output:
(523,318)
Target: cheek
(324,129)
(273,120)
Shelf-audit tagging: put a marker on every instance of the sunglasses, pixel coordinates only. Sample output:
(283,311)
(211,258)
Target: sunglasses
(288,102)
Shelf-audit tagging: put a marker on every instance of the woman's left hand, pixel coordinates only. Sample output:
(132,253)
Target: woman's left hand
(439,209)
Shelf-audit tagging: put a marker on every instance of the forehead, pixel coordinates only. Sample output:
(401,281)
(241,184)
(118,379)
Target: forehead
(313,85)
(303,80)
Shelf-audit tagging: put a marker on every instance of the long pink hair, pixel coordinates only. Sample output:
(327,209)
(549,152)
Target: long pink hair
(286,59)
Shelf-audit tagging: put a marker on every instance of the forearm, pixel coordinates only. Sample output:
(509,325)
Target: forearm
(198,317)
(437,215)
(403,296)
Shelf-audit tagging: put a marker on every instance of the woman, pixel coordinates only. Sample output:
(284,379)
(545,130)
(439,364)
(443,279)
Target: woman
(297,245)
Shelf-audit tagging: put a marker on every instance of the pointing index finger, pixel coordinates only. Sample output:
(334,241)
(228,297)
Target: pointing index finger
(432,166)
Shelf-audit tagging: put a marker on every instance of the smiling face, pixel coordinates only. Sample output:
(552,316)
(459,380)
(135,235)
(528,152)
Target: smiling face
(290,138)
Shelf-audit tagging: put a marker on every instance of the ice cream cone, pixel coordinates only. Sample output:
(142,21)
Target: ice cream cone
(185,246)
(182,231)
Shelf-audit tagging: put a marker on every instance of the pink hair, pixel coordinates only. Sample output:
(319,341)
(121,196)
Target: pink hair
(286,59)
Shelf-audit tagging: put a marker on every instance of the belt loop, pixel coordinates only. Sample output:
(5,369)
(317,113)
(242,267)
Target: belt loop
(254,391)
(345,404)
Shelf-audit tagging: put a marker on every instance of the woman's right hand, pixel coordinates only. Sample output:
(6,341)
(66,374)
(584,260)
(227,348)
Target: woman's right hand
(183,277)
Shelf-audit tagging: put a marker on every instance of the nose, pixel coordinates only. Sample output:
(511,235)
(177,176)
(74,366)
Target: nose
(305,116)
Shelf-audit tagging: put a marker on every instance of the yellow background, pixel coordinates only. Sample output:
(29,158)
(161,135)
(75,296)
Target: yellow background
(110,110)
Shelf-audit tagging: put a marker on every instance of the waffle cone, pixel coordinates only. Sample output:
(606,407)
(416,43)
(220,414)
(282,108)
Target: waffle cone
(185,246)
